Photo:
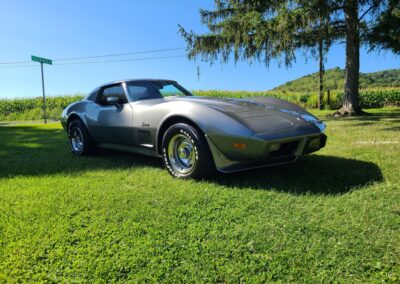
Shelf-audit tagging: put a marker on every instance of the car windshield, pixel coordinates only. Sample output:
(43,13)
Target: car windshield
(138,91)
(171,89)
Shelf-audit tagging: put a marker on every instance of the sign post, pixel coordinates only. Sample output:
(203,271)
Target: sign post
(42,60)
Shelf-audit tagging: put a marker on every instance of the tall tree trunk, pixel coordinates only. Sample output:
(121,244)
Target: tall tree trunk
(321,74)
(328,98)
(351,104)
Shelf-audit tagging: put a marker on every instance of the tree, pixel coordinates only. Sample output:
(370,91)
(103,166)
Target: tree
(315,36)
(351,103)
(319,39)
(265,30)
(355,23)
(385,32)
(321,73)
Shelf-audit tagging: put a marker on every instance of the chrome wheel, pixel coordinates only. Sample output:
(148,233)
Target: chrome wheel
(76,140)
(181,153)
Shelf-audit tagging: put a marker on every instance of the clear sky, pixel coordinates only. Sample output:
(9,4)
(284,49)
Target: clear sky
(71,28)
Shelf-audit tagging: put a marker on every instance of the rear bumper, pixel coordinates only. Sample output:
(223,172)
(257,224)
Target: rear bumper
(261,151)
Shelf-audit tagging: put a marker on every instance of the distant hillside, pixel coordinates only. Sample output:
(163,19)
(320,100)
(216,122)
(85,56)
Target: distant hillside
(334,80)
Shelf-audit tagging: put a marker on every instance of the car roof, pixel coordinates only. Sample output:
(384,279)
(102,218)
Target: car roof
(136,81)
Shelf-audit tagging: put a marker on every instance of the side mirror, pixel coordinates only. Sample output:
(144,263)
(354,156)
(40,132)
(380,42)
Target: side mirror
(113,101)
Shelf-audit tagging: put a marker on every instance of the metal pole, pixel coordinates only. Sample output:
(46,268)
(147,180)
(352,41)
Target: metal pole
(44,96)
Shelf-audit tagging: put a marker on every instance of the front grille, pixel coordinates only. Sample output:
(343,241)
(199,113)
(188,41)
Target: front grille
(286,149)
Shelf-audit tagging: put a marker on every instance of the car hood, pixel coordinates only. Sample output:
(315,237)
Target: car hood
(257,116)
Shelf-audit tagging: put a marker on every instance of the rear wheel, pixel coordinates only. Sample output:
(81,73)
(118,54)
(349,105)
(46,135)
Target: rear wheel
(185,152)
(79,139)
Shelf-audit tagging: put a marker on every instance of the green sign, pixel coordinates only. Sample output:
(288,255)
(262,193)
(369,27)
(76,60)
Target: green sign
(41,60)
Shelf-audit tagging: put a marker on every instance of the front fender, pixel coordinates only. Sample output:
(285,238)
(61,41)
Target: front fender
(221,130)
(75,109)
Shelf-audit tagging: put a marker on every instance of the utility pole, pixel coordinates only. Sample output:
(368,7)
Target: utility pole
(42,60)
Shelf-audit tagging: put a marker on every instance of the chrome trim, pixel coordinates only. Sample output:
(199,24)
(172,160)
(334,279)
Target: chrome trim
(76,140)
(130,149)
(181,154)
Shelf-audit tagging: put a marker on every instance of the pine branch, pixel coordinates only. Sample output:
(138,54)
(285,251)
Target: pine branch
(367,11)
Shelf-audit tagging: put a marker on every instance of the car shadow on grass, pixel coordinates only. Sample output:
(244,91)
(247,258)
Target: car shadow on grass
(36,151)
(313,174)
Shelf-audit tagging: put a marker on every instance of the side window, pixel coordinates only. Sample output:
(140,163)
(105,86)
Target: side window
(142,92)
(114,91)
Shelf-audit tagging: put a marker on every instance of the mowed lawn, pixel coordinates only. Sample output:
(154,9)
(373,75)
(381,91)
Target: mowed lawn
(333,216)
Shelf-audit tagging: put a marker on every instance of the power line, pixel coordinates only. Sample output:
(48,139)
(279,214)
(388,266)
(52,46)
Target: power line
(121,60)
(100,61)
(120,54)
(148,58)
(15,62)
(19,66)
(100,56)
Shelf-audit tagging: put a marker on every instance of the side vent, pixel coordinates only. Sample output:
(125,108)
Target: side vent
(144,138)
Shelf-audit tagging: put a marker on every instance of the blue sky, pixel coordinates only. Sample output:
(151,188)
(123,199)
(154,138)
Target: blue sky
(63,29)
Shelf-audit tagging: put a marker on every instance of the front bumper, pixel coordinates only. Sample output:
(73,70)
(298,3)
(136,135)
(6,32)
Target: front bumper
(262,151)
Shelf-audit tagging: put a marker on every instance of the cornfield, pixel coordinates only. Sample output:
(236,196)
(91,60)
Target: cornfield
(31,108)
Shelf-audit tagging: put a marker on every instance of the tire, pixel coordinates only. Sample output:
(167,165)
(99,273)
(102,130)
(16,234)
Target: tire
(80,141)
(186,153)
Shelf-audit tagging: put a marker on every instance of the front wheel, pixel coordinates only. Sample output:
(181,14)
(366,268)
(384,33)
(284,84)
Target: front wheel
(79,138)
(185,152)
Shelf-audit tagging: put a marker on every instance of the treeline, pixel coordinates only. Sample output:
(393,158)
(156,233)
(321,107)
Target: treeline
(31,108)
(369,98)
(334,80)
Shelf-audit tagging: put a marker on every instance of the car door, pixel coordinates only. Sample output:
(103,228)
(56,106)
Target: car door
(145,123)
(113,121)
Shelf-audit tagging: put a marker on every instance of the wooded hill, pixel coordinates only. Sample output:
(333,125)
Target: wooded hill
(334,80)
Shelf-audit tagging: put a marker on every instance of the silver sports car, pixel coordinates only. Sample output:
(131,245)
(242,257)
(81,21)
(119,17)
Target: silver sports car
(193,135)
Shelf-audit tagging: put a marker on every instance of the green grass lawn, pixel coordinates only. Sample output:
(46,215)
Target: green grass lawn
(333,216)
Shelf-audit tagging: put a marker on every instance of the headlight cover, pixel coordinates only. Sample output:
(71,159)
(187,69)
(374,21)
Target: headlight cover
(319,124)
